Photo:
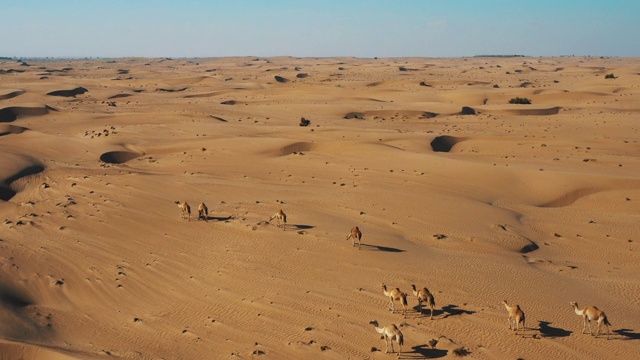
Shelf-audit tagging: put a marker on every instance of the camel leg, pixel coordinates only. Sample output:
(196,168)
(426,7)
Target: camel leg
(599,325)
(386,343)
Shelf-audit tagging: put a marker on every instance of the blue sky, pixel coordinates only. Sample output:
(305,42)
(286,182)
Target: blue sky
(392,28)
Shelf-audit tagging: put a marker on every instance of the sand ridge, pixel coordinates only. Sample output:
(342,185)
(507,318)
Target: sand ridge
(452,187)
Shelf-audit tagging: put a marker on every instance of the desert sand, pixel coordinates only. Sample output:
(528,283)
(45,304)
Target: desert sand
(452,187)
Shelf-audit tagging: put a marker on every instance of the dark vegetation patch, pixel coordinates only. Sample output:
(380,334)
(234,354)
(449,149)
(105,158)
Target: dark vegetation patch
(354,115)
(304,122)
(519,100)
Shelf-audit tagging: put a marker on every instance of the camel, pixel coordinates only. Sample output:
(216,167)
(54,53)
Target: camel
(186,209)
(516,316)
(203,212)
(355,235)
(390,333)
(424,295)
(395,294)
(589,313)
(280,215)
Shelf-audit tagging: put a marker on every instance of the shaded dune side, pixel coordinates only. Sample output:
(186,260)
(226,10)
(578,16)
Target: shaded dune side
(16,319)
(208,94)
(529,244)
(7,191)
(171,90)
(402,113)
(521,110)
(12,113)
(119,156)
(68,93)
(117,96)
(294,148)
(445,143)
(13,298)
(11,129)
(570,197)
(11,94)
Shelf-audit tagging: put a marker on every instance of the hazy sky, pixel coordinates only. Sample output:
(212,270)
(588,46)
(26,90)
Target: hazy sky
(310,28)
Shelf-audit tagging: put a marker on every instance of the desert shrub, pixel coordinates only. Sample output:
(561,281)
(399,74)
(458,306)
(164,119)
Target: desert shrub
(609,76)
(460,352)
(519,100)
(304,122)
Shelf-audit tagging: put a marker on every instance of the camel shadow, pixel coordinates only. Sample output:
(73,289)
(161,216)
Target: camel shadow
(380,248)
(425,310)
(628,334)
(552,332)
(452,310)
(426,352)
(219,218)
(295,227)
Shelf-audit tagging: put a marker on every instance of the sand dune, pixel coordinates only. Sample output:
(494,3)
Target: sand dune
(15,350)
(14,170)
(11,129)
(9,93)
(452,187)
(68,93)
(119,96)
(11,113)
(519,110)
